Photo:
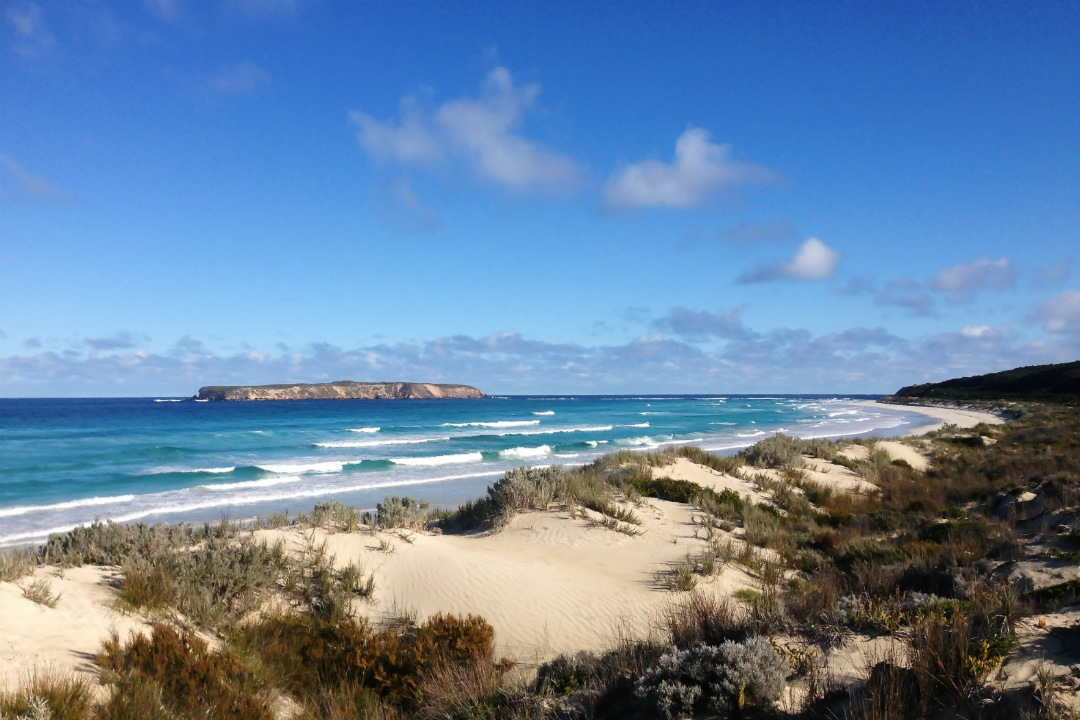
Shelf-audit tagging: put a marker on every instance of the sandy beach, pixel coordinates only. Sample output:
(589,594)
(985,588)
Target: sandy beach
(961,417)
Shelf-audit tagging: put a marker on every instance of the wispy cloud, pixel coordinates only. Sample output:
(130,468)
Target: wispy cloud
(122,340)
(483,133)
(1061,314)
(750,234)
(240,78)
(908,294)
(814,260)
(403,212)
(702,324)
(32,37)
(960,282)
(701,171)
(28,186)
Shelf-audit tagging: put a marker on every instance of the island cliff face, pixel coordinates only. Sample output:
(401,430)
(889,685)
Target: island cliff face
(340,390)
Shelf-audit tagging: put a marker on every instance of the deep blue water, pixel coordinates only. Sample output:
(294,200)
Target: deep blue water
(65,462)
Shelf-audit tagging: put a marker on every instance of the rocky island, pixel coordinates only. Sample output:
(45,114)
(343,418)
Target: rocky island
(340,390)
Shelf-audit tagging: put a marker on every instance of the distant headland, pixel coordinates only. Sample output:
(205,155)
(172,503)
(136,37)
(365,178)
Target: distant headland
(340,390)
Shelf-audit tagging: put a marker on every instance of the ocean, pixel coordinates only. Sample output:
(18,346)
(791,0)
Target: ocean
(66,462)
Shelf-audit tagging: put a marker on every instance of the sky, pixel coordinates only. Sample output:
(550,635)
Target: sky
(623,197)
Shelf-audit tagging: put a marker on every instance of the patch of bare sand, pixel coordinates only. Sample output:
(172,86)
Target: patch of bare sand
(835,476)
(548,583)
(900,451)
(1051,640)
(65,638)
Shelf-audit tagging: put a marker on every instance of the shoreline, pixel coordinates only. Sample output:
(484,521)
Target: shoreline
(961,417)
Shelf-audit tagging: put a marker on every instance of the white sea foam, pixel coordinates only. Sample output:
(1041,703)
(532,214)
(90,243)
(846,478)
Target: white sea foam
(759,433)
(166,400)
(439,460)
(523,453)
(495,424)
(634,442)
(313,467)
(67,505)
(553,431)
(594,443)
(638,425)
(545,412)
(188,471)
(265,482)
(365,429)
(380,443)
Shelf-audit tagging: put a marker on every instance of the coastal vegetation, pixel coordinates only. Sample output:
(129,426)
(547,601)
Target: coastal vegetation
(922,562)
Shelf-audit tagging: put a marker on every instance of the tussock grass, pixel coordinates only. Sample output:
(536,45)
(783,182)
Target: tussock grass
(41,592)
(47,695)
(16,563)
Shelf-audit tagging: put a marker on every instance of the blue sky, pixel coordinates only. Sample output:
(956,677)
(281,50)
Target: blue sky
(628,197)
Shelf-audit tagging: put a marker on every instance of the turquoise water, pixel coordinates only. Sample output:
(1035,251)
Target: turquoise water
(65,462)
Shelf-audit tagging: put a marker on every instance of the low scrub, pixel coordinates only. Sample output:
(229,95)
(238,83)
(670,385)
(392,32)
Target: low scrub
(173,672)
(721,679)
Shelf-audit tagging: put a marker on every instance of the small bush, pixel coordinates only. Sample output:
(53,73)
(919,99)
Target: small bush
(566,673)
(404,512)
(186,677)
(705,619)
(778,451)
(731,677)
(333,515)
(49,697)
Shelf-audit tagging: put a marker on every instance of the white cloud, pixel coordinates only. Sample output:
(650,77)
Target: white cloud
(814,260)
(412,142)
(960,282)
(240,79)
(701,170)
(29,186)
(1061,314)
(32,36)
(484,133)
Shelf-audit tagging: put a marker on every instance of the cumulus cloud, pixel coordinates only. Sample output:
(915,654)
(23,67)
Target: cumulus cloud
(31,35)
(907,294)
(484,133)
(1061,314)
(814,260)
(960,282)
(701,171)
(749,234)
(240,78)
(27,186)
(702,324)
(858,359)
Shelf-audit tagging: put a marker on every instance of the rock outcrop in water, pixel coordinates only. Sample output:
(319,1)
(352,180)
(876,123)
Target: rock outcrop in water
(340,390)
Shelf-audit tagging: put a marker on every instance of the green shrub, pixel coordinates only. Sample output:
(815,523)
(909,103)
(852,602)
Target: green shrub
(333,515)
(404,512)
(725,679)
